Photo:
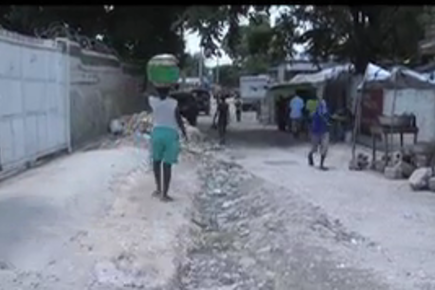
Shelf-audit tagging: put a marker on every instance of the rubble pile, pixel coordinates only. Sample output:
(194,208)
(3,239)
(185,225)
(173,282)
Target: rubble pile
(398,165)
(412,163)
(249,234)
(421,178)
(142,122)
(128,124)
(361,162)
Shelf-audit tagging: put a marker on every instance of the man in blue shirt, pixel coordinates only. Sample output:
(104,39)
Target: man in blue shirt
(296,106)
(319,133)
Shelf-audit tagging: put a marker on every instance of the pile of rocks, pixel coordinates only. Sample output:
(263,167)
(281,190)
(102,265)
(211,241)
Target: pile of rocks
(128,124)
(361,162)
(398,166)
(422,179)
(142,123)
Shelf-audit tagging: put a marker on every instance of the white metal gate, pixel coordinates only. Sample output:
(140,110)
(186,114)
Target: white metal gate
(33,99)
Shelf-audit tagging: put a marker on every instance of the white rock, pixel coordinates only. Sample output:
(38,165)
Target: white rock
(407,169)
(116,126)
(431,184)
(393,172)
(420,178)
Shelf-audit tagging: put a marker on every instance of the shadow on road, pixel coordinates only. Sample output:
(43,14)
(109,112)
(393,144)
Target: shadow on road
(249,133)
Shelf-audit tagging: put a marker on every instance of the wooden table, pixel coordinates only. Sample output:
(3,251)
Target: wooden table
(384,131)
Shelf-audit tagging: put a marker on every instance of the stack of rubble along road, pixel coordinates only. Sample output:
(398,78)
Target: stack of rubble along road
(141,123)
(414,163)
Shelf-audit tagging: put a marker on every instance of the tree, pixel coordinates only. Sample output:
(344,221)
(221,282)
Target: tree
(136,32)
(361,34)
(228,75)
(210,21)
(190,66)
(255,49)
(349,33)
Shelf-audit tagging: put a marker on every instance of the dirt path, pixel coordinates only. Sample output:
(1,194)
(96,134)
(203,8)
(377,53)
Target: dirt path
(359,221)
(88,221)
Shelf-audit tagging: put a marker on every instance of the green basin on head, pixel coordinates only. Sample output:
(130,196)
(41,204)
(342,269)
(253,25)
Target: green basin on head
(163,70)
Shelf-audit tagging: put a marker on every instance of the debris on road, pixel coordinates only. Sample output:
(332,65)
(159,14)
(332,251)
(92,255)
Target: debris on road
(419,180)
(142,123)
(244,239)
(361,162)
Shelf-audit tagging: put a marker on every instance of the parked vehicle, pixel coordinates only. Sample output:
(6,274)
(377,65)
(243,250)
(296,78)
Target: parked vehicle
(252,90)
(188,105)
(203,100)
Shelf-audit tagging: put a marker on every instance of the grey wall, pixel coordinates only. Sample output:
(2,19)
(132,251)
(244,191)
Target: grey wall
(101,88)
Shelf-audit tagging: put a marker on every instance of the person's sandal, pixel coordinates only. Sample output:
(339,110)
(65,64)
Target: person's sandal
(155,193)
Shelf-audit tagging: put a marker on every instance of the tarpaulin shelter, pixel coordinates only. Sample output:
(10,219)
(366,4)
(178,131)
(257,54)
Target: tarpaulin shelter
(398,78)
(322,76)
(403,91)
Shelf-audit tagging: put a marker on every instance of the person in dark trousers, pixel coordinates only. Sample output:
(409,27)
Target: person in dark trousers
(238,105)
(165,143)
(319,134)
(221,117)
(281,113)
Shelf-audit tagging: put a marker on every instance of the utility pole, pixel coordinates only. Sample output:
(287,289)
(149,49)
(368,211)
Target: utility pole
(217,69)
(201,66)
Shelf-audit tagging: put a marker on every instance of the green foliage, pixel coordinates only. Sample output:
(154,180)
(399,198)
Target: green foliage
(361,33)
(136,32)
(349,33)
(229,76)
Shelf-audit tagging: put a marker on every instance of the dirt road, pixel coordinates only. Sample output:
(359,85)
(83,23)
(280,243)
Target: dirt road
(249,216)
(357,229)
(87,221)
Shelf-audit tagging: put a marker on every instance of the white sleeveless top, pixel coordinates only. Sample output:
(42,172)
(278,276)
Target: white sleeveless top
(163,112)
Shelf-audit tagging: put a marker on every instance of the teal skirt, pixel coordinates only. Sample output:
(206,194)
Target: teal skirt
(165,145)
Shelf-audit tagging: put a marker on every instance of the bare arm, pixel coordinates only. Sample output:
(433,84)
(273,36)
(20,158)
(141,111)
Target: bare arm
(180,122)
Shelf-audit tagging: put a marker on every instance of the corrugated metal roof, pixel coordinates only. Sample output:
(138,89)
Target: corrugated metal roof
(303,66)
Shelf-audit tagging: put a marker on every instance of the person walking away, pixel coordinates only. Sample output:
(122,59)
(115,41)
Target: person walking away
(310,108)
(319,134)
(296,106)
(165,143)
(221,117)
(238,107)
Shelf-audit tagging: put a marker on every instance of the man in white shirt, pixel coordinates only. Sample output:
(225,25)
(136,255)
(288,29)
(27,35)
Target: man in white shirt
(296,107)
(165,143)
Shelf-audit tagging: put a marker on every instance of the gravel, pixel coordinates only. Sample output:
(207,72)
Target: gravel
(244,239)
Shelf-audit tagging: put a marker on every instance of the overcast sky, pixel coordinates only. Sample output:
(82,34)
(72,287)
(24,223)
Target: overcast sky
(192,40)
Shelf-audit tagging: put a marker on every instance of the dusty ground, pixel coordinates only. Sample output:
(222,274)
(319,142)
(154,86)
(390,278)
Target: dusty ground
(252,215)
(87,221)
(371,229)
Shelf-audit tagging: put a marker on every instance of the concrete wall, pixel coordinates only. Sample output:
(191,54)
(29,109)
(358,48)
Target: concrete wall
(33,112)
(101,88)
(419,102)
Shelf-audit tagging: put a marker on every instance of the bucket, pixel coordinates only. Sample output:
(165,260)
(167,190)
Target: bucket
(163,70)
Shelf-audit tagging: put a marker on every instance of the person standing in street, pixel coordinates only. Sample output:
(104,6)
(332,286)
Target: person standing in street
(296,106)
(319,134)
(221,117)
(238,107)
(281,113)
